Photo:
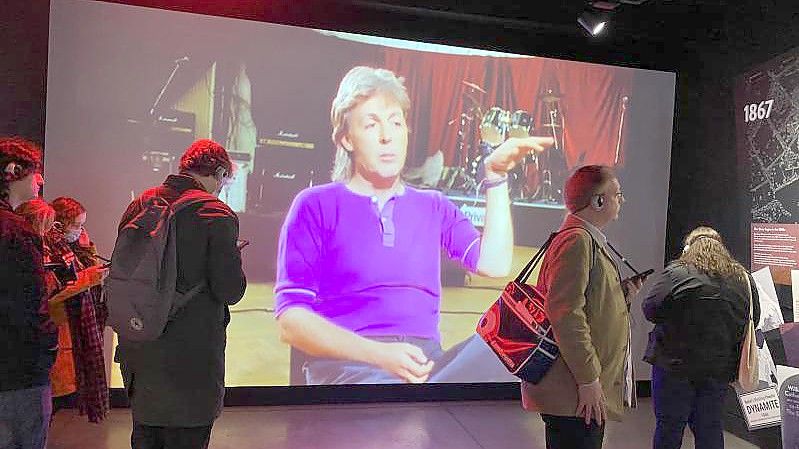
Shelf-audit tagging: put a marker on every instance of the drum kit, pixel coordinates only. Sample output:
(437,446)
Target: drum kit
(479,133)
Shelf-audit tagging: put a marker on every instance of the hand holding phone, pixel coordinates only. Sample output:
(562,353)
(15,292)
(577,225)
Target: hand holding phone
(632,284)
(641,276)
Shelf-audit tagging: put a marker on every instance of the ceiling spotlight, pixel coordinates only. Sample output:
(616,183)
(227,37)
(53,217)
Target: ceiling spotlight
(593,22)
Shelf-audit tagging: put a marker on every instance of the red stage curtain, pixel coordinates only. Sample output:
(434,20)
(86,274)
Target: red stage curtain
(590,103)
(591,107)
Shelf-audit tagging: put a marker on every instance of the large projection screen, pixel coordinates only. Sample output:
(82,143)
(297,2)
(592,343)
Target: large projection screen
(129,88)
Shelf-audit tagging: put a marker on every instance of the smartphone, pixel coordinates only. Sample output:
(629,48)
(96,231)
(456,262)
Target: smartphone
(642,276)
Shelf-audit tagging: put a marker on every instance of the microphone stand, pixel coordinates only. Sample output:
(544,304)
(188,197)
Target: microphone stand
(546,174)
(621,125)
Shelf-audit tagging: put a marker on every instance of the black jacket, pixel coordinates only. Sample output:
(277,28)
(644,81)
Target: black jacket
(699,323)
(28,340)
(178,380)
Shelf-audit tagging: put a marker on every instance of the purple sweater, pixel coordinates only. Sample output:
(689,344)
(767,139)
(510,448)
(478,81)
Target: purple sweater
(376,273)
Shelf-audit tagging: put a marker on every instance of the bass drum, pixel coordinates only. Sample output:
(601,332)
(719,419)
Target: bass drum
(521,124)
(494,126)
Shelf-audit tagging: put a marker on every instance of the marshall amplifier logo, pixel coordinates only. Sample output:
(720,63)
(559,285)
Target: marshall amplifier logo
(286,139)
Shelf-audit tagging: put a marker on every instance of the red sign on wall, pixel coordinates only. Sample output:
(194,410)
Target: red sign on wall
(776,246)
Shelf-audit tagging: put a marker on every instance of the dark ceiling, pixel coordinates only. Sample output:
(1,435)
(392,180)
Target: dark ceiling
(653,20)
(659,19)
(665,34)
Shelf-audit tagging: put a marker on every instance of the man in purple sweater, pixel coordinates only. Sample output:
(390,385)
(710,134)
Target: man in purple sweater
(358,281)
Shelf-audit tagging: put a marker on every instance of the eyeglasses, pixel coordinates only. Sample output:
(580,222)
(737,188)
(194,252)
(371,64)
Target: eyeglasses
(619,195)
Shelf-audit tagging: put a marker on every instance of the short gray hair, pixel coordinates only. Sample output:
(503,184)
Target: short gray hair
(357,86)
(584,183)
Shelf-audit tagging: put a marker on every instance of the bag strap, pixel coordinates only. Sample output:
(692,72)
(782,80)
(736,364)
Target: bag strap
(749,293)
(187,198)
(530,267)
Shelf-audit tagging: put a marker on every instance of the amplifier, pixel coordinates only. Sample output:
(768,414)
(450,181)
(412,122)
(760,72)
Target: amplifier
(279,175)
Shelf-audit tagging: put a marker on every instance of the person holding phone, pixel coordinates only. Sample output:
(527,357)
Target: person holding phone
(176,383)
(66,299)
(700,307)
(75,305)
(588,306)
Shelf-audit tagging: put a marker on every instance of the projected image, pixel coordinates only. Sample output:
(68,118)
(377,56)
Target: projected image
(346,285)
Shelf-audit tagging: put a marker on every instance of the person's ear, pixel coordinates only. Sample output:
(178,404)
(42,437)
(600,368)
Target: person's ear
(12,169)
(346,144)
(221,173)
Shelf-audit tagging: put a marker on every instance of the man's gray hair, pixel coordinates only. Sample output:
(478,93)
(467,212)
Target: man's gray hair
(357,86)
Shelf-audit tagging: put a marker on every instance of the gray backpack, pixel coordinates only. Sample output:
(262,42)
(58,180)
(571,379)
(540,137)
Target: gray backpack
(141,290)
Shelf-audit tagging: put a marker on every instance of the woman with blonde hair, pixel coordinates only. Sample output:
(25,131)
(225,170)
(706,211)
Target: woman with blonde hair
(700,307)
(39,214)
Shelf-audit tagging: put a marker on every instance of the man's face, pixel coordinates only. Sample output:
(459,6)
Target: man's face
(30,186)
(377,137)
(613,200)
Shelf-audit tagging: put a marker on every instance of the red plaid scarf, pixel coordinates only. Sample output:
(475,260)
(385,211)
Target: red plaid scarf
(86,314)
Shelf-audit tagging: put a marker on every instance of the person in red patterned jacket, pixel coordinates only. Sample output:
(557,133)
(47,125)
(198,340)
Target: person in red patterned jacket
(28,340)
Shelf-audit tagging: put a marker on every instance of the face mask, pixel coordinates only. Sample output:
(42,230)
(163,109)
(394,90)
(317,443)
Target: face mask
(72,236)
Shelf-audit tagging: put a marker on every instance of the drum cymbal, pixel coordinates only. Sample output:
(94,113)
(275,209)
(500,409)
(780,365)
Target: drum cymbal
(473,86)
(549,96)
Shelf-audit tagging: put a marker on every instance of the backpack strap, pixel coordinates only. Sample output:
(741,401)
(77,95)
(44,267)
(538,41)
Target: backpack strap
(191,197)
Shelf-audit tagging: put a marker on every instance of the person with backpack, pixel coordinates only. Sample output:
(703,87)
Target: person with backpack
(28,336)
(175,270)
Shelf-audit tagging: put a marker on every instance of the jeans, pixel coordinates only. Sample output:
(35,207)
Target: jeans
(469,361)
(678,401)
(25,418)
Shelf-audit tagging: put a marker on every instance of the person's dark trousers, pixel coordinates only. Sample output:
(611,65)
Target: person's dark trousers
(150,437)
(698,403)
(565,432)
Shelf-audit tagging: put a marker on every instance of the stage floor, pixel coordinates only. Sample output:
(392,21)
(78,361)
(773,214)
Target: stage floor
(257,357)
(451,425)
